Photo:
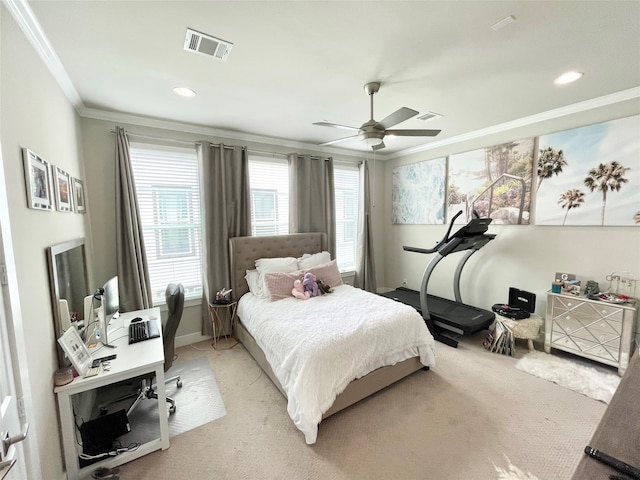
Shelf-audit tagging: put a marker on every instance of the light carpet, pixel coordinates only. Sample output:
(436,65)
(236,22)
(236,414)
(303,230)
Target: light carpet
(594,382)
(198,402)
(454,422)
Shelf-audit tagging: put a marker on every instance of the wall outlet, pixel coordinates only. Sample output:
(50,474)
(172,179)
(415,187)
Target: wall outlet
(404,282)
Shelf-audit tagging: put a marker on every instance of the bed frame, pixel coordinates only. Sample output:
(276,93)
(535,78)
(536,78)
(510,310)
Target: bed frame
(243,252)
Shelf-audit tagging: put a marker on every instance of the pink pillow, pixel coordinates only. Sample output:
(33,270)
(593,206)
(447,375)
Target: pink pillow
(328,273)
(280,284)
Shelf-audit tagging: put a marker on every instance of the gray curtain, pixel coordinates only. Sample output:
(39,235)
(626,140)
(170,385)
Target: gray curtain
(312,198)
(365,267)
(134,287)
(224,183)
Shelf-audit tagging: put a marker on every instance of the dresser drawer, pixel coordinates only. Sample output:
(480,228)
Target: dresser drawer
(606,351)
(588,312)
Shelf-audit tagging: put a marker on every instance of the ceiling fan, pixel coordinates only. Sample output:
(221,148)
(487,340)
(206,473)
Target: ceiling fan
(373,132)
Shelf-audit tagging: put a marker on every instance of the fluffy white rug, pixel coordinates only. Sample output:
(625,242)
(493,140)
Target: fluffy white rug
(512,472)
(596,383)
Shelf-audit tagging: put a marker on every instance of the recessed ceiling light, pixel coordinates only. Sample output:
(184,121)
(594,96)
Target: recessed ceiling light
(184,92)
(568,77)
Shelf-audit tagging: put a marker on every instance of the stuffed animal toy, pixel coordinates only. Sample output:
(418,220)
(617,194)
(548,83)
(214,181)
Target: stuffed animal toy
(324,288)
(310,284)
(298,291)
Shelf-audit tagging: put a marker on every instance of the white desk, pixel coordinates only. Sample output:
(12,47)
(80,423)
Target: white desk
(131,361)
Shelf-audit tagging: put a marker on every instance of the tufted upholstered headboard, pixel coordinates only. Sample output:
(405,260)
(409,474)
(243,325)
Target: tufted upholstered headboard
(244,251)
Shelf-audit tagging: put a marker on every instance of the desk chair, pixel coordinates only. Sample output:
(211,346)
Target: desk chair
(174,295)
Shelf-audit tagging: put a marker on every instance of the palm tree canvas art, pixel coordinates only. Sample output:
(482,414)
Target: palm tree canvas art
(590,175)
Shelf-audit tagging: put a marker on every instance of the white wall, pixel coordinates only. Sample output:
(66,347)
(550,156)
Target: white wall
(523,256)
(35,114)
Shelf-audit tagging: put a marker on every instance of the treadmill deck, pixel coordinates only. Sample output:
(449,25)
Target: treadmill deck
(456,317)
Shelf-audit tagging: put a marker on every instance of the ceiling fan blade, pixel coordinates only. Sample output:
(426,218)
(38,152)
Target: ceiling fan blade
(398,116)
(336,125)
(331,142)
(378,147)
(413,133)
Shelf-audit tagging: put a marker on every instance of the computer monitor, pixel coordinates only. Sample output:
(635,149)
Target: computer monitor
(110,299)
(109,308)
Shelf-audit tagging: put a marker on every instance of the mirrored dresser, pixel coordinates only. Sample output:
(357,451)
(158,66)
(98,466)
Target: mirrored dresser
(601,331)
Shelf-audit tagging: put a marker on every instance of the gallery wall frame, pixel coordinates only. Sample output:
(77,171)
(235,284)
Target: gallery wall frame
(77,186)
(62,188)
(37,172)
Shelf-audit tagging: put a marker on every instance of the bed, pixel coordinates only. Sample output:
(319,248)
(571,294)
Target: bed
(273,331)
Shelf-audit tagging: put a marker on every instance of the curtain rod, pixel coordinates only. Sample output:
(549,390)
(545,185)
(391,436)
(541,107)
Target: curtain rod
(187,142)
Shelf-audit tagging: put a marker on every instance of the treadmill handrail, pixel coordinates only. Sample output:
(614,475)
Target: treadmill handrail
(444,239)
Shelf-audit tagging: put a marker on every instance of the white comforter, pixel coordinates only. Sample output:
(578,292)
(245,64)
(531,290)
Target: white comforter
(316,347)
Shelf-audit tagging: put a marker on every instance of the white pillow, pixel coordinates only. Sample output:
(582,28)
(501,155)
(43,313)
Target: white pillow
(313,260)
(274,265)
(255,283)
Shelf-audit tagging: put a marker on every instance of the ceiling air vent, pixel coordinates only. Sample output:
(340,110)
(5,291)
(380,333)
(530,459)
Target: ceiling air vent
(207,45)
(428,116)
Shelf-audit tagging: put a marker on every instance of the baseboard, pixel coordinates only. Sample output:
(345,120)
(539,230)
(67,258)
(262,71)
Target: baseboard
(190,339)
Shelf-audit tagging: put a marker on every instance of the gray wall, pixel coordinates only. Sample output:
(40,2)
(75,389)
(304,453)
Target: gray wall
(36,114)
(99,148)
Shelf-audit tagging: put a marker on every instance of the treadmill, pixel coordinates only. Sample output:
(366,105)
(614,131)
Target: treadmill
(442,314)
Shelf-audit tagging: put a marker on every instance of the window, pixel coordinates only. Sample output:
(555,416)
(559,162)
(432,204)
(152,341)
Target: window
(347,185)
(168,192)
(269,181)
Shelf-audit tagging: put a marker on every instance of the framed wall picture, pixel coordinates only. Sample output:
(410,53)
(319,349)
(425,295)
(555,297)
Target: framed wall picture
(76,350)
(37,172)
(62,187)
(77,186)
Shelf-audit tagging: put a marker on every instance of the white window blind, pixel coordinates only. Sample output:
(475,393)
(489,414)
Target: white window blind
(269,185)
(168,192)
(347,187)
(269,181)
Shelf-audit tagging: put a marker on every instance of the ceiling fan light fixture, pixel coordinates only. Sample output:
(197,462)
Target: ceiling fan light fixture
(372,141)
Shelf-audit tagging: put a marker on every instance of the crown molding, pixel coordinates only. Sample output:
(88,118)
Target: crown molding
(598,102)
(119,117)
(30,26)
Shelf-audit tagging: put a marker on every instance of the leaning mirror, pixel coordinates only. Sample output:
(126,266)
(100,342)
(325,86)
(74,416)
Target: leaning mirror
(69,284)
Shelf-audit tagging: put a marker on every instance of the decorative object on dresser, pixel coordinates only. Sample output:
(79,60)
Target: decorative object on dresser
(593,329)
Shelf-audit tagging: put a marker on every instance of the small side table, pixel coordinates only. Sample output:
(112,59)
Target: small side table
(223,314)
(527,328)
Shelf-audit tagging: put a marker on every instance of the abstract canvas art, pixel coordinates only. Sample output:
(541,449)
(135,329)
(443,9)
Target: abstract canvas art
(590,175)
(417,193)
(495,182)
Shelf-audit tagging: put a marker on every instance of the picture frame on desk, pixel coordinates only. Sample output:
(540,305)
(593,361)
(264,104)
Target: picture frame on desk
(37,173)
(75,350)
